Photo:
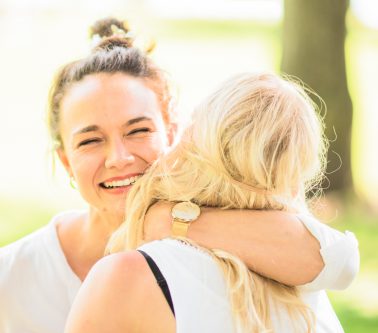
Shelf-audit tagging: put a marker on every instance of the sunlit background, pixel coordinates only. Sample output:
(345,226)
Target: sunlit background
(200,43)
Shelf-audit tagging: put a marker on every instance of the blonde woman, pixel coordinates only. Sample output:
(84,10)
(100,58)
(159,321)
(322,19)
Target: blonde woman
(255,143)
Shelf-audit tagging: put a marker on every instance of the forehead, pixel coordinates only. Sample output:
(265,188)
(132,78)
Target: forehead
(108,99)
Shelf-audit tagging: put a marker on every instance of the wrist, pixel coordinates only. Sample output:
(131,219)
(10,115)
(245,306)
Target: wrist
(158,221)
(183,214)
(198,230)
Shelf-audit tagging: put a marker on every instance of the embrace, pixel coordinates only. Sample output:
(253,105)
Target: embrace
(209,232)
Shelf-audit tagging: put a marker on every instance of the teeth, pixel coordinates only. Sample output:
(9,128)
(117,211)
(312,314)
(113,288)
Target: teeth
(119,183)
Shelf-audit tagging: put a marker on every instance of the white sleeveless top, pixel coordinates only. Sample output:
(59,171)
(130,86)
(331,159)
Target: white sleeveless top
(199,293)
(196,285)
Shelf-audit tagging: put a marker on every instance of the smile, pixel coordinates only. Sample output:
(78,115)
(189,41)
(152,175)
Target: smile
(120,183)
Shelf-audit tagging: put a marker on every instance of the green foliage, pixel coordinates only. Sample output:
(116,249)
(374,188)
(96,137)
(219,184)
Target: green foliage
(19,218)
(365,227)
(357,307)
(354,320)
(217,29)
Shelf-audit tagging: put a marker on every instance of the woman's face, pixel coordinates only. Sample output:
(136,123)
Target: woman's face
(112,129)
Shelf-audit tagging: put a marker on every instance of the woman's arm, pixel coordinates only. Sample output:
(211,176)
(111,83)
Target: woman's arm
(275,244)
(120,294)
(340,255)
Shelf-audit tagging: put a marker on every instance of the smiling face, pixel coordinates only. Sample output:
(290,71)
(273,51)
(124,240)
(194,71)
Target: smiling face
(112,129)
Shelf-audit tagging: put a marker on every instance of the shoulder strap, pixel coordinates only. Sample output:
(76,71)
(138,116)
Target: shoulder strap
(160,279)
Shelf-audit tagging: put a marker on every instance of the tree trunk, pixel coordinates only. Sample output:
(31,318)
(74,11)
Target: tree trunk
(313,50)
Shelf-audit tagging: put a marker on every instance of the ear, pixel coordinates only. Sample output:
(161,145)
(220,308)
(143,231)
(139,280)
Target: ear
(172,133)
(63,158)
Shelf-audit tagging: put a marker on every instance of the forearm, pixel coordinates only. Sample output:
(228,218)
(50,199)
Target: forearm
(275,244)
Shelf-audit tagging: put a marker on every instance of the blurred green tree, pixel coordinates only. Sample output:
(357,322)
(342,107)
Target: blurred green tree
(313,50)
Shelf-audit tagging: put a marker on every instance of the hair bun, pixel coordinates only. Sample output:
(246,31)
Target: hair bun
(111,32)
(103,27)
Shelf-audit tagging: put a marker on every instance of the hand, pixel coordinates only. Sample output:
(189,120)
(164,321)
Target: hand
(158,221)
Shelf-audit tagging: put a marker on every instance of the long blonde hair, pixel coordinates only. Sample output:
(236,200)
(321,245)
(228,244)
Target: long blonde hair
(255,143)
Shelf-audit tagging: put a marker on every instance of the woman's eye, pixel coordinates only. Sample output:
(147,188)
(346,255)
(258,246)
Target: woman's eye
(139,130)
(88,142)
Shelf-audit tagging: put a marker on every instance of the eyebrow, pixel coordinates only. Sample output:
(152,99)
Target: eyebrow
(136,120)
(91,128)
(94,128)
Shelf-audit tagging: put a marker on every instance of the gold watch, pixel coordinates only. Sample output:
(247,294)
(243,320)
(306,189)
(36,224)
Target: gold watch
(183,213)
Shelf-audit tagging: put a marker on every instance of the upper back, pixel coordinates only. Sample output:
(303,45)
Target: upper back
(196,284)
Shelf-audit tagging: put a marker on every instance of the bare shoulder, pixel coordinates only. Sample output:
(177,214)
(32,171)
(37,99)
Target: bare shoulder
(120,294)
(119,266)
(121,272)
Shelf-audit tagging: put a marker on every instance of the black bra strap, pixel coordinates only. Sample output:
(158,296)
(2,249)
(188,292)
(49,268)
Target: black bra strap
(160,279)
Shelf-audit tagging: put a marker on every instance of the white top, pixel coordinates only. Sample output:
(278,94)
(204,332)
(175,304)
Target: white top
(37,286)
(199,293)
(340,255)
(196,285)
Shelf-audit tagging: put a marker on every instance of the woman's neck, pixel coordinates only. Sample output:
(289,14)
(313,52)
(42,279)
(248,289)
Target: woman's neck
(83,239)
(102,223)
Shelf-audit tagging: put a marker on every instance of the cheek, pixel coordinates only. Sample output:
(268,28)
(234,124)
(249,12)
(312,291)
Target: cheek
(153,148)
(84,167)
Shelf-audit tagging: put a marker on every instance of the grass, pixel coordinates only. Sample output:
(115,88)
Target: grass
(19,218)
(353,320)
(357,306)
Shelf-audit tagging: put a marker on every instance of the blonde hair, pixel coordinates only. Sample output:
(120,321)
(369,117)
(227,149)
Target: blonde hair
(255,143)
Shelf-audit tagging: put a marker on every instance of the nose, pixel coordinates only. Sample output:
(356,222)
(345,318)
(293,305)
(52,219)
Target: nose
(118,156)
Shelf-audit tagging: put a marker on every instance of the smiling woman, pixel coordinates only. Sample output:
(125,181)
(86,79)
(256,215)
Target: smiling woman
(117,137)
(110,118)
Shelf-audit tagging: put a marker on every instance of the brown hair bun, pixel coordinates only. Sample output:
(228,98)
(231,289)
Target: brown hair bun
(103,27)
(111,32)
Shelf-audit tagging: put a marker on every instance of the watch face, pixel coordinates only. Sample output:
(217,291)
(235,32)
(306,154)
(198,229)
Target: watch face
(186,211)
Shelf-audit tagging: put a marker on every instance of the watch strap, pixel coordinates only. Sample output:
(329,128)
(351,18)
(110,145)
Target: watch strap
(180,228)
